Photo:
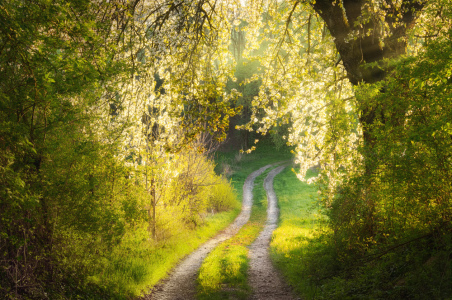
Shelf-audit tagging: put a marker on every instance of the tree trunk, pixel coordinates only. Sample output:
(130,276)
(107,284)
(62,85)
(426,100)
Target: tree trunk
(361,43)
(154,215)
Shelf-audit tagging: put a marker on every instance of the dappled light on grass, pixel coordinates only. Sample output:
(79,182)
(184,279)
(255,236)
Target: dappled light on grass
(298,215)
(288,239)
(226,267)
(298,227)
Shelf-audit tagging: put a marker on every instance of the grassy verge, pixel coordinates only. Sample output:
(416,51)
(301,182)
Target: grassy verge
(311,260)
(299,221)
(136,264)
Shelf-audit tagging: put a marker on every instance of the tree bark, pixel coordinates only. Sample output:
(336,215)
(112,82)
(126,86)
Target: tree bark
(362,42)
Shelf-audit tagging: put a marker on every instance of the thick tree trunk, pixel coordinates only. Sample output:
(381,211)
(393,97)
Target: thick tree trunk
(361,43)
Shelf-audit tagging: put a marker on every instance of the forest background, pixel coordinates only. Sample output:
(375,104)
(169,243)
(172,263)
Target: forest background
(109,110)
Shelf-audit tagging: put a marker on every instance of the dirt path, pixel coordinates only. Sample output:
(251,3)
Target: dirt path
(264,279)
(181,283)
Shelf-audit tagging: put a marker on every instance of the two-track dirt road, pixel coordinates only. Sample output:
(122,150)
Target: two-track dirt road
(265,281)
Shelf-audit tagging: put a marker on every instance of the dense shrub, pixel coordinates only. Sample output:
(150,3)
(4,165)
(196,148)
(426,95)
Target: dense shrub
(391,223)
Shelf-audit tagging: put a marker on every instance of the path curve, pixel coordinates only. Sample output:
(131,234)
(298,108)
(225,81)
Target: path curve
(264,279)
(181,283)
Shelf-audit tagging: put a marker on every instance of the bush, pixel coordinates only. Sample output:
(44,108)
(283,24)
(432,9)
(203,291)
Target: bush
(391,223)
(221,197)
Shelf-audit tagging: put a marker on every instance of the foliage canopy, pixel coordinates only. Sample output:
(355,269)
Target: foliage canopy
(102,105)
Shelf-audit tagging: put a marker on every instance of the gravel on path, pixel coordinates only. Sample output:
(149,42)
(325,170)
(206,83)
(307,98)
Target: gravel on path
(264,279)
(181,283)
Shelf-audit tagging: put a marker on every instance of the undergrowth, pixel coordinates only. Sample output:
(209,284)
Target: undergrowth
(146,263)
(314,263)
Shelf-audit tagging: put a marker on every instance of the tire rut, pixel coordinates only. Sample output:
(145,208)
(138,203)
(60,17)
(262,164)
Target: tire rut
(264,279)
(181,283)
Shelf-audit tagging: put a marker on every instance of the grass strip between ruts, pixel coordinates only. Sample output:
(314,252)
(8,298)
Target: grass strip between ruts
(224,272)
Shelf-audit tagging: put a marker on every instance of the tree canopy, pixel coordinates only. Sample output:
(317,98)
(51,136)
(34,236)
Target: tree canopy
(103,106)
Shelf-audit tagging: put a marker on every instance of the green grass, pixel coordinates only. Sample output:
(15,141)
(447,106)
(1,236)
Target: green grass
(299,221)
(306,252)
(237,166)
(136,265)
